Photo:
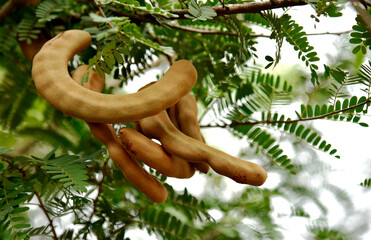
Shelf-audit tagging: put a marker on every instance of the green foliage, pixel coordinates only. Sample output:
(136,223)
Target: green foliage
(48,10)
(202,13)
(66,169)
(361,37)
(29,28)
(285,27)
(329,8)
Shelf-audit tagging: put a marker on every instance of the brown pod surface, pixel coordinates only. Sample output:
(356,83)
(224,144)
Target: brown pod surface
(152,154)
(190,149)
(52,80)
(186,109)
(105,134)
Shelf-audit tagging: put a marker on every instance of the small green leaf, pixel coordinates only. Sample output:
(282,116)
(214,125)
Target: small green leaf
(22,225)
(318,139)
(269,58)
(311,137)
(355,40)
(317,110)
(310,111)
(363,124)
(356,49)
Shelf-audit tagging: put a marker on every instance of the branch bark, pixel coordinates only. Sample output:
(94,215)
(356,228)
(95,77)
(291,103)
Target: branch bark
(252,7)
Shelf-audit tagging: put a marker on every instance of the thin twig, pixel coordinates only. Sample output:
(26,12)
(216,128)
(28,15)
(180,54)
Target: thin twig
(215,32)
(100,190)
(42,206)
(234,124)
(102,12)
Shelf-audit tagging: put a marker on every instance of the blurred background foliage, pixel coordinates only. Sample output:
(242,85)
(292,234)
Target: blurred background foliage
(272,112)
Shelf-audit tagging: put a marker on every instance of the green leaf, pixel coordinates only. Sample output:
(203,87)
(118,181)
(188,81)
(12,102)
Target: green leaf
(22,225)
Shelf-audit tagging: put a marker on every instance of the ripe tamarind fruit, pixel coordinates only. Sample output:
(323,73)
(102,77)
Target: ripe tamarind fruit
(105,134)
(152,154)
(186,117)
(52,80)
(192,150)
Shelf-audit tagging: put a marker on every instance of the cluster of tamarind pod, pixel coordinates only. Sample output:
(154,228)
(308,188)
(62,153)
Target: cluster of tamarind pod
(164,110)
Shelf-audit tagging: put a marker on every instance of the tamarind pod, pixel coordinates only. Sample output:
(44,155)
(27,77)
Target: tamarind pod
(131,169)
(176,143)
(94,81)
(54,83)
(152,154)
(105,134)
(188,123)
(30,50)
(172,112)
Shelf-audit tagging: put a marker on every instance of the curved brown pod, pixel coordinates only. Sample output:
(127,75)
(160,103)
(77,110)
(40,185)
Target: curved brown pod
(178,144)
(52,80)
(152,154)
(186,117)
(105,134)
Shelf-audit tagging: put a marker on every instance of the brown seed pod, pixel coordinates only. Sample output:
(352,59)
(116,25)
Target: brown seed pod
(152,154)
(192,150)
(105,134)
(184,117)
(54,83)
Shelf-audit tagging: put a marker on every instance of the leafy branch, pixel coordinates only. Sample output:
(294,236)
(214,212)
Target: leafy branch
(290,121)
(41,203)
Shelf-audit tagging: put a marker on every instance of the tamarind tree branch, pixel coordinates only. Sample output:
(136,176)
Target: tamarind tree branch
(234,124)
(251,7)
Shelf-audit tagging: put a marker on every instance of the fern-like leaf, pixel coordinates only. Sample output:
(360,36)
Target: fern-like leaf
(29,28)
(266,144)
(285,27)
(13,193)
(47,10)
(66,169)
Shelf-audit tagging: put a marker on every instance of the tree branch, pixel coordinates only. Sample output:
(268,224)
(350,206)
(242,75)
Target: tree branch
(252,7)
(42,206)
(235,124)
